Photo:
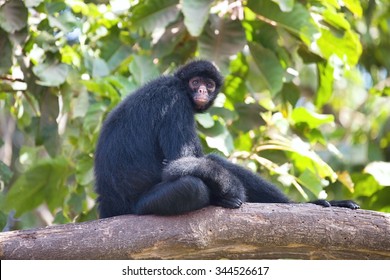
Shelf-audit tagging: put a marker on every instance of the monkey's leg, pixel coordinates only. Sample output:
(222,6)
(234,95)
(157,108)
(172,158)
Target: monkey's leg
(174,197)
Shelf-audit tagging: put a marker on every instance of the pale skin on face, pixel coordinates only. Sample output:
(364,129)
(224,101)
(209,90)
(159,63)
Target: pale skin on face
(202,88)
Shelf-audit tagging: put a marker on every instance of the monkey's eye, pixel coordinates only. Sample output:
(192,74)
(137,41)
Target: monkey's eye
(210,85)
(195,82)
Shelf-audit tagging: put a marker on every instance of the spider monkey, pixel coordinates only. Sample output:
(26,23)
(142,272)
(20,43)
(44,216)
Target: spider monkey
(149,159)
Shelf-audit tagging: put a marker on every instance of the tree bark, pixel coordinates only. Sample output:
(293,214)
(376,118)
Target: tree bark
(255,231)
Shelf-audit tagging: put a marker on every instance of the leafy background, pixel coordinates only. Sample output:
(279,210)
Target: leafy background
(306,99)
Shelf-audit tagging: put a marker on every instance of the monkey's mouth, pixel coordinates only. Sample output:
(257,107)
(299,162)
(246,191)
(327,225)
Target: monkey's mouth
(201,101)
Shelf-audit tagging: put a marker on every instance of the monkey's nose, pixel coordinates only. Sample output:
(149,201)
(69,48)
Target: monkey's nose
(202,90)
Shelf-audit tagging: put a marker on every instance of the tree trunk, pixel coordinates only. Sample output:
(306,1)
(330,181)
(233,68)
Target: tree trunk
(255,231)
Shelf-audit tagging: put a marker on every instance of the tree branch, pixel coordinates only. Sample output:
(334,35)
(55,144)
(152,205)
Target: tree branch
(266,231)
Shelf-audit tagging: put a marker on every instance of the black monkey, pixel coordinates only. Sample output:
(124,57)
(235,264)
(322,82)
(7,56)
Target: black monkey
(149,159)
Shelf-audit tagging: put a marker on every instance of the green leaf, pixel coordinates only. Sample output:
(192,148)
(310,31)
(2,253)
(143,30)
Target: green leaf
(354,6)
(365,184)
(153,14)
(337,20)
(290,93)
(143,69)
(122,85)
(243,142)
(3,220)
(285,5)
(298,21)
(235,87)
(121,54)
(228,116)
(380,200)
(42,182)
(113,50)
(262,33)
(196,14)
(53,7)
(80,104)
(13,16)
(5,53)
(32,3)
(302,155)
(331,3)
(5,173)
(172,37)
(94,117)
(205,120)
(380,171)
(347,47)
(99,68)
(325,85)
(47,130)
(309,160)
(311,181)
(84,170)
(267,68)
(221,38)
(66,21)
(312,119)
(51,74)
(249,116)
(218,137)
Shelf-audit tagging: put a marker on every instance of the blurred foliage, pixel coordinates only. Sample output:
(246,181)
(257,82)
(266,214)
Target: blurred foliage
(306,98)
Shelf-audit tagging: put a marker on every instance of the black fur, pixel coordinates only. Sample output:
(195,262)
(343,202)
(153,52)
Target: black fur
(149,159)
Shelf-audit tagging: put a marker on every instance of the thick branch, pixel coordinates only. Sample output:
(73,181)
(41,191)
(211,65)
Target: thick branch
(265,231)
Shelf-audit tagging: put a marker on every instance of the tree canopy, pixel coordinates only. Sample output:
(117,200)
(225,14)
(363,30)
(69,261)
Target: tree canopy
(306,99)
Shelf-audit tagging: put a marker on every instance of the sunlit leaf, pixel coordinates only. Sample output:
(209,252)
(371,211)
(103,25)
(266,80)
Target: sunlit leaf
(381,172)
(345,178)
(347,47)
(336,19)
(354,6)
(312,119)
(325,84)
(303,156)
(235,83)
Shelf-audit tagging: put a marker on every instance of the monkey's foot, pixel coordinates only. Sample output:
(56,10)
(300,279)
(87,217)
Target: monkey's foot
(230,202)
(337,203)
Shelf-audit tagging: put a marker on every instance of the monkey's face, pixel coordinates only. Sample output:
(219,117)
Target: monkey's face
(203,92)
